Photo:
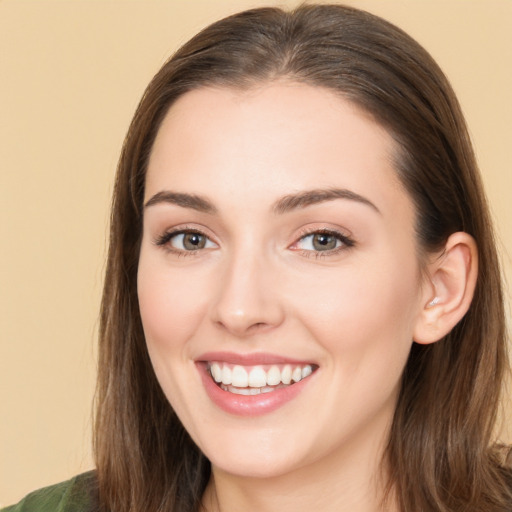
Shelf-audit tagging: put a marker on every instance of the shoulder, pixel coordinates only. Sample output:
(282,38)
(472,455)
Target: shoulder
(75,495)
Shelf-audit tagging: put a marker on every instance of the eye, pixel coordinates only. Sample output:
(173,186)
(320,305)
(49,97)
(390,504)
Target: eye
(185,241)
(323,241)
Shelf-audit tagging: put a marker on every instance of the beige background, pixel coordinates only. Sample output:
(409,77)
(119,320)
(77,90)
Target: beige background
(71,74)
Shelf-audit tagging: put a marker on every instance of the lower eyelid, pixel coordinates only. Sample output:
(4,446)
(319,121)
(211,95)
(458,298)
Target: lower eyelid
(319,254)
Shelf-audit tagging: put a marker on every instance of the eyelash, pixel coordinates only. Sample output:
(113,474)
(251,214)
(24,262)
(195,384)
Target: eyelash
(164,239)
(346,242)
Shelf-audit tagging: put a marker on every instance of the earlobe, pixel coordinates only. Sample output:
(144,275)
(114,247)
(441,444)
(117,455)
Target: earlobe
(449,291)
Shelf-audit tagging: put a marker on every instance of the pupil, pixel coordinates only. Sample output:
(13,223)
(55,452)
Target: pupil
(322,242)
(194,241)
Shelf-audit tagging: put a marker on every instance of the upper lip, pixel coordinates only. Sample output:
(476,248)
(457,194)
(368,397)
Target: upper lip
(258,358)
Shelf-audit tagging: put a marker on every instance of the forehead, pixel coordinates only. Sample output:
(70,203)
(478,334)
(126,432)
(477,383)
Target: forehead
(272,139)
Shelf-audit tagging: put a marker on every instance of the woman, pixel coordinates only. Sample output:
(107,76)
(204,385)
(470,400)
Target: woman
(302,305)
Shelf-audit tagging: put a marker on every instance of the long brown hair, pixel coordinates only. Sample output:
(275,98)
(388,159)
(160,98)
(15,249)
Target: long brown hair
(440,455)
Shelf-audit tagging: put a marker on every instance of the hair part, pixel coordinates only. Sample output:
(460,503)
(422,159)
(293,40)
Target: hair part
(440,455)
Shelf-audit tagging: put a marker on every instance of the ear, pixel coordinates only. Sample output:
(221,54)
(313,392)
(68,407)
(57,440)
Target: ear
(448,288)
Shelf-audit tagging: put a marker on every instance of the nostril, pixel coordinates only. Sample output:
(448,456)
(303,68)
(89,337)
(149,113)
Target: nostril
(258,326)
(244,328)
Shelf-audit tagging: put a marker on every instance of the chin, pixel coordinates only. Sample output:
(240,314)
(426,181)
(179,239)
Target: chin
(261,468)
(264,454)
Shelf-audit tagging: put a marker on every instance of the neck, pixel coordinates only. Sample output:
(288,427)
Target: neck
(348,479)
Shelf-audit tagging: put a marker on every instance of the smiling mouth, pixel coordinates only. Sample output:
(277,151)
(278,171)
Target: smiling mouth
(254,380)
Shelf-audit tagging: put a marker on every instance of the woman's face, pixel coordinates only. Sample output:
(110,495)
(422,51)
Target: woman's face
(278,246)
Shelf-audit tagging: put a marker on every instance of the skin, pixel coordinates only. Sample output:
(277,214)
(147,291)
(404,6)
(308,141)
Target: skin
(259,286)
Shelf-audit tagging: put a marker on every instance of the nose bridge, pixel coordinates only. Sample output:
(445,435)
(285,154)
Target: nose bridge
(247,296)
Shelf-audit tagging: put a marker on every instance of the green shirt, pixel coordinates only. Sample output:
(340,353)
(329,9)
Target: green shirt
(75,495)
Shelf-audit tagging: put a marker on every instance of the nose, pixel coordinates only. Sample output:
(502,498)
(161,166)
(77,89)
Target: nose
(248,297)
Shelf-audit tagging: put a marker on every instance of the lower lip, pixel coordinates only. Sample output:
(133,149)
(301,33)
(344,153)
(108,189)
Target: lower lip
(249,405)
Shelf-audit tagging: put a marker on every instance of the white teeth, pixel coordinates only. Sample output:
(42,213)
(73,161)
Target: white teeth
(239,377)
(247,391)
(257,380)
(226,375)
(306,371)
(257,377)
(286,374)
(241,391)
(274,376)
(216,372)
(297,374)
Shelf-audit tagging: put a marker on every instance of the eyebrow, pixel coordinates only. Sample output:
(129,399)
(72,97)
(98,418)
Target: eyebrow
(192,201)
(283,205)
(310,197)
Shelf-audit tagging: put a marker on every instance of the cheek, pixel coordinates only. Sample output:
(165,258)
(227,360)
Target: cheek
(170,305)
(364,306)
